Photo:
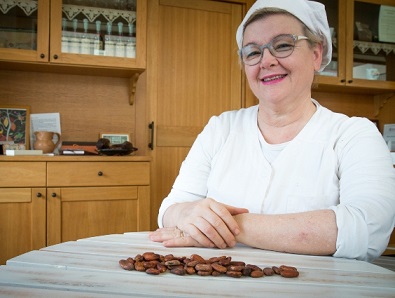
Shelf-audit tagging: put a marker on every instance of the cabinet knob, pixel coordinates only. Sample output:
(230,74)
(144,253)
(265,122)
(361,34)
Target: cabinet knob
(349,81)
(53,195)
(39,195)
(342,81)
(100,173)
(55,57)
(42,56)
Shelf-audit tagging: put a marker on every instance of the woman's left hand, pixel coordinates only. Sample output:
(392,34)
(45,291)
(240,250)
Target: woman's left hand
(173,237)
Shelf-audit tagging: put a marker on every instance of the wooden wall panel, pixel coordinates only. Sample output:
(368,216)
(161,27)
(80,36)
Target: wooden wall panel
(87,105)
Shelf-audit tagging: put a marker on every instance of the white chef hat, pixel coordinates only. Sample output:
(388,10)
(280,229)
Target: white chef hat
(311,13)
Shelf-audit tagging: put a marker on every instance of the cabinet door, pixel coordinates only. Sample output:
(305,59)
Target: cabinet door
(363,44)
(371,44)
(80,212)
(22,221)
(99,33)
(195,75)
(24,30)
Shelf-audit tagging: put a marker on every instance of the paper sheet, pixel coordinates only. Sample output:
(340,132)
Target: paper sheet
(387,23)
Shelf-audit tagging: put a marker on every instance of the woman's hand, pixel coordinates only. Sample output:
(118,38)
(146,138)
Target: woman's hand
(202,223)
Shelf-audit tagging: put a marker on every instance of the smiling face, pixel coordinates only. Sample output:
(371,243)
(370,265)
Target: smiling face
(281,81)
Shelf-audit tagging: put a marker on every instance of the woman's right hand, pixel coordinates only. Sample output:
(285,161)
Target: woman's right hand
(208,222)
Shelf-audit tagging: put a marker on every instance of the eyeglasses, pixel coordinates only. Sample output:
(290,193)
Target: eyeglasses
(281,46)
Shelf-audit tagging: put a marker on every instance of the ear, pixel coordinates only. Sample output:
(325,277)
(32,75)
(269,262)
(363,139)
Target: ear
(317,56)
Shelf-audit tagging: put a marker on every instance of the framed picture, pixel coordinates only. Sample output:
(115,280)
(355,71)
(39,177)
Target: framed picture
(116,138)
(14,127)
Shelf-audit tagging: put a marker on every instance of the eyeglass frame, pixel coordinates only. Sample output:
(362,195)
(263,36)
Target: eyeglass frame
(268,46)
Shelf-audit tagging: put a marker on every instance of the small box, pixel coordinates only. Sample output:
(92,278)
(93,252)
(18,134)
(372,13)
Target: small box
(18,39)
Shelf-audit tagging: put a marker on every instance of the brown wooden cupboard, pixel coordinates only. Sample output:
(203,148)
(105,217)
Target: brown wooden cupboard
(62,199)
(47,26)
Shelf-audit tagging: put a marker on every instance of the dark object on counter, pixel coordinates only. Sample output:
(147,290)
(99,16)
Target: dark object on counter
(103,144)
(104,147)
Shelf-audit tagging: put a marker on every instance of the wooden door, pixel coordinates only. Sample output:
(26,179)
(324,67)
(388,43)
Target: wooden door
(194,74)
(22,221)
(80,212)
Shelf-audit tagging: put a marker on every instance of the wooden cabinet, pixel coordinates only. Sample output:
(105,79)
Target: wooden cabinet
(22,208)
(51,201)
(353,53)
(32,37)
(45,29)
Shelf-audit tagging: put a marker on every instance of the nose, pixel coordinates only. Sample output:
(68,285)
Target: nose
(267,59)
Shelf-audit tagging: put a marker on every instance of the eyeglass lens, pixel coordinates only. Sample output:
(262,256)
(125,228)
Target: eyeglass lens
(281,46)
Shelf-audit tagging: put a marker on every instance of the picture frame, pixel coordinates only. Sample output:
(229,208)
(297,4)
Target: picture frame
(15,127)
(116,138)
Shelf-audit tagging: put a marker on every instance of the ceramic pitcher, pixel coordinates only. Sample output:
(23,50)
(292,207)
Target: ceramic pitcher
(44,141)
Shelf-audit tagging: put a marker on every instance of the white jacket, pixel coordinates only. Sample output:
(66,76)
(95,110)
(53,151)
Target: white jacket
(335,162)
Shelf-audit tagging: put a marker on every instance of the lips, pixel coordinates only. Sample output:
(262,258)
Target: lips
(273,78)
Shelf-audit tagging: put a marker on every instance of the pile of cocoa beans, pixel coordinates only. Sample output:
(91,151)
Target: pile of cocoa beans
(152,263)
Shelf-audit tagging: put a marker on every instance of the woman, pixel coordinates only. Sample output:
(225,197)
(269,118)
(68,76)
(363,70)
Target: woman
(288,174)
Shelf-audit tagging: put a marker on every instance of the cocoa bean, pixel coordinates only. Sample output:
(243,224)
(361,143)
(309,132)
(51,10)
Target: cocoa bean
(152,271)
(173,263)
(161,267)
(246,271)
(216,259)
(268,271)
(168,257)
(139,266)
(190,270)
(192,263)
(276,269)
(125,264)
(256,273)
(219,268)
(235,268)
(233,273)
(203,267)
(237,263)
(198,258)
(150,256)
(284,267)
(149,264)
(225,261)
(289,273)
(178,271)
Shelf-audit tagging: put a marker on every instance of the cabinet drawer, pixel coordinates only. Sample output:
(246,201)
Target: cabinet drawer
(22,174)
(97,173)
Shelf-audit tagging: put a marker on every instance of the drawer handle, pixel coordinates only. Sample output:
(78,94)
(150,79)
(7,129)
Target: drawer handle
(53,195)
(100,173)
(39,195)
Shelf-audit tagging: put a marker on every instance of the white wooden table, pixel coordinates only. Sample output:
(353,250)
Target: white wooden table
(89,268)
